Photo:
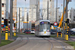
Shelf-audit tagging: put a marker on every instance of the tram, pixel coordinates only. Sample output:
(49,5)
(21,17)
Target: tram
(42,28)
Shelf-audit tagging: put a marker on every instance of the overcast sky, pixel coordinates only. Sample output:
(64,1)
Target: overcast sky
(23,3)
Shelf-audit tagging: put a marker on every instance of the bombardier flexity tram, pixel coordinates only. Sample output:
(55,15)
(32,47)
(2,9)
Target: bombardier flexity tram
(42,28)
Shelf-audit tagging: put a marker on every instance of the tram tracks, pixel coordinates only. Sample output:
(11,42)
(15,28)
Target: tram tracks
(23,43)
(49,40)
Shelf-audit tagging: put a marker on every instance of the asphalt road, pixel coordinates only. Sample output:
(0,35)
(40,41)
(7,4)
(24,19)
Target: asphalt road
(43,43)
(30,42)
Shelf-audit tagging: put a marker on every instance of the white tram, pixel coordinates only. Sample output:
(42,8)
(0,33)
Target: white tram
(42,28)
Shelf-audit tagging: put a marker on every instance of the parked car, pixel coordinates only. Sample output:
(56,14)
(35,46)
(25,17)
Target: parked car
(27,31)
(72,31)
(32,31)
(53,31)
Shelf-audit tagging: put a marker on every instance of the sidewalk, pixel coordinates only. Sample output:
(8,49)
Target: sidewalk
(16,44)
(3,38)
(72,38)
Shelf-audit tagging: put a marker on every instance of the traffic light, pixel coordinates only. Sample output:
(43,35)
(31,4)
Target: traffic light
(67,21)
(2,25)
(14,25)
(6,22)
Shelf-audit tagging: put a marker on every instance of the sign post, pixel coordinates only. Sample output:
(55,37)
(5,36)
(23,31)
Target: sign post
(55,24)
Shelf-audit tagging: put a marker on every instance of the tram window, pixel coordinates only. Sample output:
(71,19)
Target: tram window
(44,23)
(41,23)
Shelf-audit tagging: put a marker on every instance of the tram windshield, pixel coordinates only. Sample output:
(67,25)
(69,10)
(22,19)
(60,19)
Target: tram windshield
(44,26)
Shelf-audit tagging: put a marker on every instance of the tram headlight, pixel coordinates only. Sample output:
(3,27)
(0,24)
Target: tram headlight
(45,32)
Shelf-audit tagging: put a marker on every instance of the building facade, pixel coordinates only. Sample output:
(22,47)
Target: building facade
(19,14)
(59,15)
(3,8)
(25,14)
(34,10)
(14,9)
(51,10)
(71,15)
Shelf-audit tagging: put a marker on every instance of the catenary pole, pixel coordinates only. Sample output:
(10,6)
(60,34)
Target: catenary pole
(63,17)
(16,22)
(0,19)
(56,9)
(11,16)
(19,20)
(47,9)
(6,17)
(56,14)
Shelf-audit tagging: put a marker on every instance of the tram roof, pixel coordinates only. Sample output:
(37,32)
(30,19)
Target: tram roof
(44,20)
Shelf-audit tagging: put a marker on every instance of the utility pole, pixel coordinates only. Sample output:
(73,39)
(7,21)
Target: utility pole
(56,15)
(36,12)
(42,16)
(6,17)
(16,22)
(66,9)
(63,17)
(0,18)
(19,20)
(56,9)
(27,20)
(67,1)
(11,16)
(47,9)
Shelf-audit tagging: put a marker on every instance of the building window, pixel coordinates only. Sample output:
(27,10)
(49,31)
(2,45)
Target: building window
(2,4)
(2,12)
(74,18)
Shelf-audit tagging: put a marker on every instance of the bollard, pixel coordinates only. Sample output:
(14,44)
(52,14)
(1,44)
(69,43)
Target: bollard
(6,34)
(66,37)
(14,30)
(14,34)
(61,35)
(57,34)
